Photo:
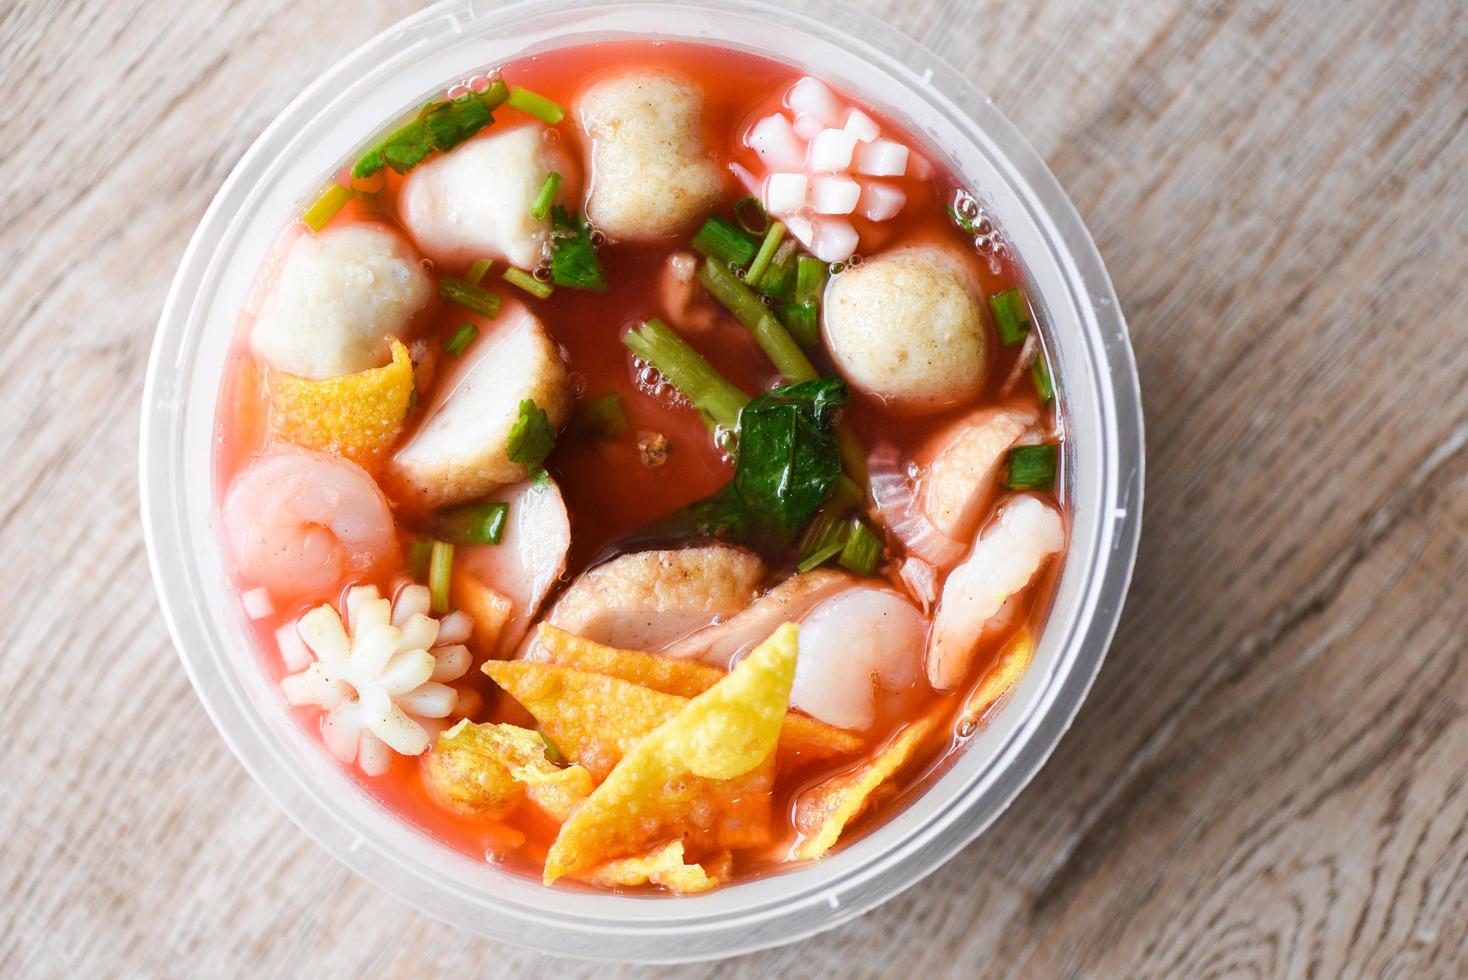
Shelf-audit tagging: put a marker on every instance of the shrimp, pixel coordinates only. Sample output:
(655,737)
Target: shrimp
(859,639)
(300,521)
(1025,531)
(530,557)
(721,643)
(935,517)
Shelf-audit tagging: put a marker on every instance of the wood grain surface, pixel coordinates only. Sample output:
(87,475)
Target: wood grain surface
(1270,777)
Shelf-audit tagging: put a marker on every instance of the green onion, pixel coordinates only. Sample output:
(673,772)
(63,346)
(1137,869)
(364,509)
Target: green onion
(800,320)
(1011,316)
(750,214)
(863,549)
(527,282)
(461,339)
(419,552)
(1040,374)
(440,570)
(536,105)
(845,494)
(474,523)
(1032,467)
(601,418)
(695,378)
(325,207)
(478,271)
(810,279)
(824,540)
(723,242)
(749,310)
(766,252)
(463,293)
(495,96)
(853,454)
(542,204)
(552,752)
(778,281)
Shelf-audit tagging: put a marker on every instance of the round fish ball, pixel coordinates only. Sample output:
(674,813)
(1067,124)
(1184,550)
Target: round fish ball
(651,175)
(474,201)
(340,295)
(906,328)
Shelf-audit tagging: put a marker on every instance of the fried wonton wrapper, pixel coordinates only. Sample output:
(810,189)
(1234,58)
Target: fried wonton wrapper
(670,783)
(822,813)
(489,608)
(1010,665)
(358,416)
(804,735)
(486,770)
(664,866)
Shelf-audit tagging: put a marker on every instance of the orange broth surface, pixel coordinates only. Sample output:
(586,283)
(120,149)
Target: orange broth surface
(608,490)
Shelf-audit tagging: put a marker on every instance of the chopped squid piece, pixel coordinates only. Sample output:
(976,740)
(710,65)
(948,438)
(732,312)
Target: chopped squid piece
(880,201)
(834,195)
(529,559)
(831,150)
(341,295)
(906,327)
(461,449)
(851,644)
(1024,533)
(861,125)
(814,98)
(833,239)
(653,175)
(785,192)
(303,520)
(724,642)
(776,143)
(476,201)
(646,600)
(807,126)
(882,158)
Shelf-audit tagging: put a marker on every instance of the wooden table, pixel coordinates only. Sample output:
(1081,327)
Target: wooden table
(1271,774)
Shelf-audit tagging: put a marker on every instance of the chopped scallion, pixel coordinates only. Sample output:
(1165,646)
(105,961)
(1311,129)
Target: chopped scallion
(766,252)
(536,105)
(863,549)
(440,573)
(845,494)
(479,270)
(1040,374)
(474,523)
(722,242)
(778,281)
(853,455)
(325,207)
(527,282)
(600,418)
(495,96)
(824,540)
(751,311)
(469,295)
(750,214)
(1011,316)
(810,279)
(460,340)
(1032,467)
(800,320)
(541,207)
(695,378)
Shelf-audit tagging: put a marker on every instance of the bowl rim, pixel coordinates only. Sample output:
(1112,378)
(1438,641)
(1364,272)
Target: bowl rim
(881,876)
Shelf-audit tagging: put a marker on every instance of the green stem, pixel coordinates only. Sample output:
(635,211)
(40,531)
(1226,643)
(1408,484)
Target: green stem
(687,370)
(750,310)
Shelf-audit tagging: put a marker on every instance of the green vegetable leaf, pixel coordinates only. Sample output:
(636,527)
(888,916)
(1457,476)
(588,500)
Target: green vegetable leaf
(573,257)
(531,437)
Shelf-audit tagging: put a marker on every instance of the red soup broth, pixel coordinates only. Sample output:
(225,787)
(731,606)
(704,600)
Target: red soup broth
(610,493)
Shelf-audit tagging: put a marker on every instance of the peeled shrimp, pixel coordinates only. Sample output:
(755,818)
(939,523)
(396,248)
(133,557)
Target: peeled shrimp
(530,557)
(1025,531)
(935,515)
(299,522)
(721,643)
(854,642)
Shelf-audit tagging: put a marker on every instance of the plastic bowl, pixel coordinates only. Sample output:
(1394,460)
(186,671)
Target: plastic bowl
(1098,395)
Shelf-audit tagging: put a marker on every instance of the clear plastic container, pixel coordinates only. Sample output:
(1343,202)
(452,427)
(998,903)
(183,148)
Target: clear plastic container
(1099,400)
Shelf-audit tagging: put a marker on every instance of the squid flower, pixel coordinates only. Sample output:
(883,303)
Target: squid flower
(381,672)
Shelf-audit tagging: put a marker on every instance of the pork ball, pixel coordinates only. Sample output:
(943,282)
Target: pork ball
(340,295)
(908,328)
(651,174)
(474,201)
